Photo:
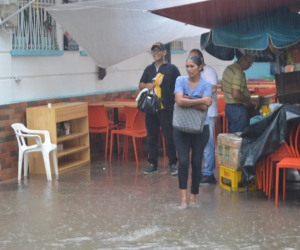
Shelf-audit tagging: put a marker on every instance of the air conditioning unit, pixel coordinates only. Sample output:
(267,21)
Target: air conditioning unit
(7,8)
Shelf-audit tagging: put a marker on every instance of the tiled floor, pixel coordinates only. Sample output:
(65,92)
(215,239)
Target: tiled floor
(115,206)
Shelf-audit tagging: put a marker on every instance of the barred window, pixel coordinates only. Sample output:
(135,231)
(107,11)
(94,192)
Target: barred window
(35,29)
(177,45)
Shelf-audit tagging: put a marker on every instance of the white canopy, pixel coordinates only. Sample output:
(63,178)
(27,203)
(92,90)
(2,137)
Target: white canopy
(111,31)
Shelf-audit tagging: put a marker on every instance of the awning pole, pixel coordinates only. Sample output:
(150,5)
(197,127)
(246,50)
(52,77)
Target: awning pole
(279,69)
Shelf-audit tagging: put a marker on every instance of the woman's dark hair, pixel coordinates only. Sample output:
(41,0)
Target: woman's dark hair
(196,60)
(198,52)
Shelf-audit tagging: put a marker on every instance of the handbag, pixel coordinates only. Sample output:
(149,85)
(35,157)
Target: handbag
(188,119)
(149,102)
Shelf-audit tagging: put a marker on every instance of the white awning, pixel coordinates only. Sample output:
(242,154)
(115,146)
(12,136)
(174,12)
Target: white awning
(111,31)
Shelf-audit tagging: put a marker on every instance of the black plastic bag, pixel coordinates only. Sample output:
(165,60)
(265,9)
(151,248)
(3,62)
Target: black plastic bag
(149,103)
(264,137)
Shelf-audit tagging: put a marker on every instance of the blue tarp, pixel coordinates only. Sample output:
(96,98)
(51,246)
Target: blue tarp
(279,27)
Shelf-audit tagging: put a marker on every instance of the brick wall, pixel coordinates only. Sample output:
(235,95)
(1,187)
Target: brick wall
(16,112)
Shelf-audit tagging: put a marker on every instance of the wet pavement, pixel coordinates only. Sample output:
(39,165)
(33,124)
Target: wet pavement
(115,206)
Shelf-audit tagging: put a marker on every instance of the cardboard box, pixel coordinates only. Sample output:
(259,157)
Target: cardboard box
(229,146)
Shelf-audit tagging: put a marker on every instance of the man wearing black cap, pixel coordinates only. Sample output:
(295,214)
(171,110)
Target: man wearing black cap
(164,117)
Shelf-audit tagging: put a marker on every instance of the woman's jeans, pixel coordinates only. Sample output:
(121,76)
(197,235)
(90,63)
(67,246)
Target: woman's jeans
(236,115)
(186,142)
(209,155)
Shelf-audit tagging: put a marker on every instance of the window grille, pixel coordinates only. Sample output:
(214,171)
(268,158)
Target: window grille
(36,29)
(177,45)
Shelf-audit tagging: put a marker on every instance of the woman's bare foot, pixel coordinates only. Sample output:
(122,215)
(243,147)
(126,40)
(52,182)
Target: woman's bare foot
(183,202)
(183,197)
(192,199)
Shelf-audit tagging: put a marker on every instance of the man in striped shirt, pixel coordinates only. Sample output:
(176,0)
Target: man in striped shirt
(236,93)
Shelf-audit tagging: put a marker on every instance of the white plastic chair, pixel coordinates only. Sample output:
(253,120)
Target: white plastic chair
(45,147)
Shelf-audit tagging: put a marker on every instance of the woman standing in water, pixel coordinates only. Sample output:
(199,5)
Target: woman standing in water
(191,90)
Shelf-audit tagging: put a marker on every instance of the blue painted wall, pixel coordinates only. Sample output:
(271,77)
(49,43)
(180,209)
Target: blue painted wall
(258,70)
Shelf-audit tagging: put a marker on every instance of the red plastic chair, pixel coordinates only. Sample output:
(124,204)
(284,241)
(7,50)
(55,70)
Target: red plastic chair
(264,168)
(99,123)
(286,163)
(265,92)
(135,128)
(130,115)
(276,156)
(259,173)
(221,118)
(121,111)
(293,139)
(296,143)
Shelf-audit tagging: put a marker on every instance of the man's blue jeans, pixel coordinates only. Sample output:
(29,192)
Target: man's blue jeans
(236,115)
(209,155)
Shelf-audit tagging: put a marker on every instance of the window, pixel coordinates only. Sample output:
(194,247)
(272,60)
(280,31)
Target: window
(177,45)
(36,29)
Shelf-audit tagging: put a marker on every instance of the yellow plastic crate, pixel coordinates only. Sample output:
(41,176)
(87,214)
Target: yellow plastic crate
(235,176)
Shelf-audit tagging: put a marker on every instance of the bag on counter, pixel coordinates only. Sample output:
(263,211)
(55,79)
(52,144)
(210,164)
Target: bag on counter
(188,119)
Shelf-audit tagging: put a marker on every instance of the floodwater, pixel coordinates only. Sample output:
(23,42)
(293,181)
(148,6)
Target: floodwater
(115,206)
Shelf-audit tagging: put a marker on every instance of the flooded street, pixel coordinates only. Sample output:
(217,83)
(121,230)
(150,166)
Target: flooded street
(115,206)
(61,59)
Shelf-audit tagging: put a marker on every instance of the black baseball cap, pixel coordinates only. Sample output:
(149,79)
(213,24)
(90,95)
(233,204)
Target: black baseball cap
(158,45)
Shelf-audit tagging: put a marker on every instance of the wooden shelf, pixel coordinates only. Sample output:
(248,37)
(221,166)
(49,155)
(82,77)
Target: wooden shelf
(76,149)
(71,164)
(70,137)
(71,151)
